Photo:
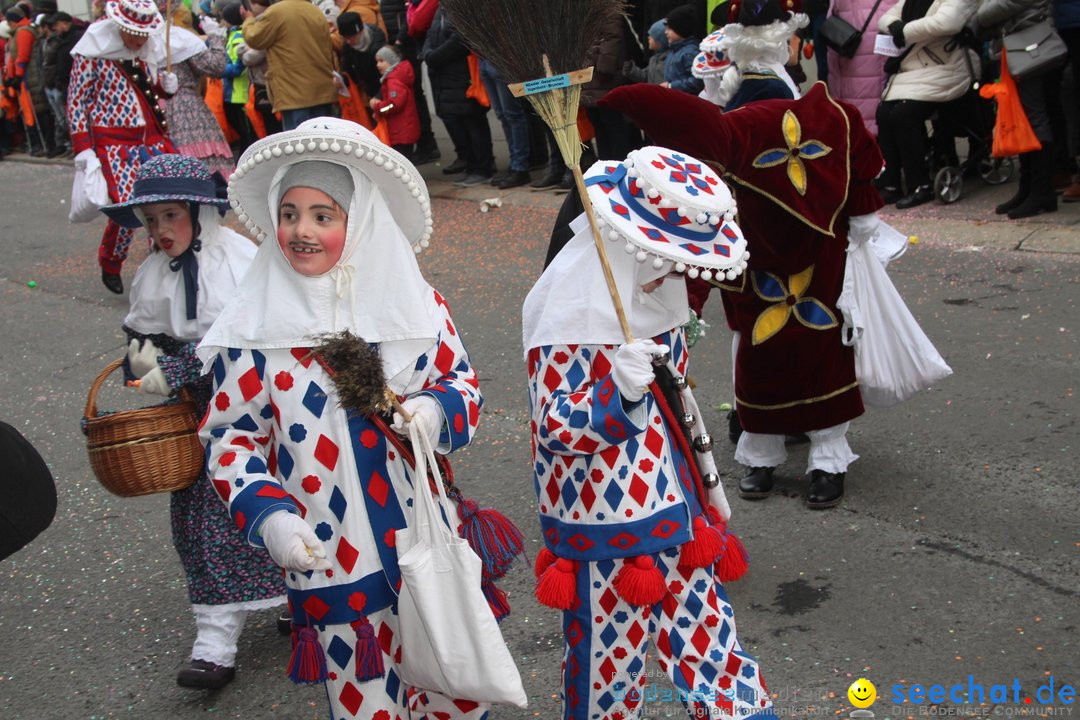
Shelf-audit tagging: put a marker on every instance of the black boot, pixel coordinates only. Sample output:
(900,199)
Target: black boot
(734,427)
(758,484)
(113,282)
(826,490)
(1022,189)
(1042,197)
(551,178)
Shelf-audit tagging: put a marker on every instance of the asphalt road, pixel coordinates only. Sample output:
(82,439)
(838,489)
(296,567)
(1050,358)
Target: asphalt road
(955,552)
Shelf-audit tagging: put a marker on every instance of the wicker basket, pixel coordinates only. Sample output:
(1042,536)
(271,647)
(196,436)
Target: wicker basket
(139,452)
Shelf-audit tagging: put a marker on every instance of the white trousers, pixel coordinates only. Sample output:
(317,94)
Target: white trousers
(829,450)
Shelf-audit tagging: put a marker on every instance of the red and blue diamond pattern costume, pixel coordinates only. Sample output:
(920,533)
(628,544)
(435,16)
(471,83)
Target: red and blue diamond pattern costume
(108,113)
(614,489)
(277,439)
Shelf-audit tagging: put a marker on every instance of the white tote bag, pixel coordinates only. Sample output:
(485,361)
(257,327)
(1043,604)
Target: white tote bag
(893,357)
(89,191)
(450,640)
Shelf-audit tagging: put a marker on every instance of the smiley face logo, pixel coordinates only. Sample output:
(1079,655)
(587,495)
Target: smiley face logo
(862,693)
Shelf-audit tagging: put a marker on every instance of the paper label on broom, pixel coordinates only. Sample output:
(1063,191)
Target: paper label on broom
(546,83)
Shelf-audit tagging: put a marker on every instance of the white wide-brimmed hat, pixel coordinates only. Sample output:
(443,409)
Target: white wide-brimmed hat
(337,141)
(137,17)
(671,207)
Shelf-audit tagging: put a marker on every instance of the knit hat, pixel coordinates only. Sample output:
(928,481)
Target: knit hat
(230,13)
(388,54)
(656,32)
(136,17)
(330,178)
(14,14)
(668,206)
(349,24)
(168,178)
(684,21)
(761,12)
(59,17)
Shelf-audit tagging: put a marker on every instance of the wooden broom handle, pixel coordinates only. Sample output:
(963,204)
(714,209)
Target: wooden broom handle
(168,27)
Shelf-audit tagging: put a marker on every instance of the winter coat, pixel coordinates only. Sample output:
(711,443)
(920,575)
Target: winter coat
(1066,14)
(929,72)
(448,68)
(397,106)
(677,68)
(653,72)
(24,61)
(606,57)
(57,58)
(1011,15)
(300,62)
(393,12)
(859,80)
(360,65)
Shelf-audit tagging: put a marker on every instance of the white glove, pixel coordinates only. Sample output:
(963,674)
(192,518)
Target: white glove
(426,413)
(142,361)
(632,369)
(292,543)
(211,27)
(169,81)
(154,383)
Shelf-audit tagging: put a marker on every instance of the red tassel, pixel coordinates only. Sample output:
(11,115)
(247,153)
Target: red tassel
(492,536)
(308,662)
(704,549)
(500,606)
(369,661)
(640,582)
(544,558)
(557,586)
(735,560)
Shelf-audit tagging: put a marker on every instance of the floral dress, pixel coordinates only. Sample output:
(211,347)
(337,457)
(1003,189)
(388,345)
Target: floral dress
(221,567)
(192,126)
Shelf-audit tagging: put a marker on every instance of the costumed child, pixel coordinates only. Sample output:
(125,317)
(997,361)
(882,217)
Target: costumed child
(195,265)
(631,507)
(804,171)
(395,105)
(318,481)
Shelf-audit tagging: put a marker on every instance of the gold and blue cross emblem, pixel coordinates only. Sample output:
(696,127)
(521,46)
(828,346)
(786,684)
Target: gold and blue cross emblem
(794,154)
(789,300)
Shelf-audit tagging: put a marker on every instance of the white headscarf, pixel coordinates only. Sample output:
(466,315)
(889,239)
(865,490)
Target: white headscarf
(570,303)
(375,291)
(102,41)
(158,302)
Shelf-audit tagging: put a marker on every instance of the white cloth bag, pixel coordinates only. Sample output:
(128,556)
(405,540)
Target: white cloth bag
(89,191)
(450,640)
(894,359)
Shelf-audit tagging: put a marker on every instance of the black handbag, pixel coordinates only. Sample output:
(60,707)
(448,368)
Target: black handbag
(1034,49)
(840,35)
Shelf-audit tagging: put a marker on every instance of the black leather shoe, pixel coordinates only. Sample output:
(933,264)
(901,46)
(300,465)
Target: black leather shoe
(514,178)
(734,427)
(420,157)
(284,623)
(923,194)
(113,282)
(203,675)
(756,485)
(826,490)
(455,167)
(551,179)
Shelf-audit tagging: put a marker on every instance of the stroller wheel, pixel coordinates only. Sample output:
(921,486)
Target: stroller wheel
(996,171)
(948,184)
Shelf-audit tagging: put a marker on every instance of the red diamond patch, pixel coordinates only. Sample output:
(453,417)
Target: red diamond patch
(346,555)
(326,452)
(250,384)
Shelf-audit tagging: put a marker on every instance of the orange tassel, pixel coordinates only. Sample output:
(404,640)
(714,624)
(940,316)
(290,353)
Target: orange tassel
(544,558)
(557,586)
(704,549)
(640,582)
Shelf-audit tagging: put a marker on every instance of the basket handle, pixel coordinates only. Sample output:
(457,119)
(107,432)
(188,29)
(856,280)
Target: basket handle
(91,397)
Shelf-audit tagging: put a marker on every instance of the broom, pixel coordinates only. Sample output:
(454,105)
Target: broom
(168,27)
(538,49)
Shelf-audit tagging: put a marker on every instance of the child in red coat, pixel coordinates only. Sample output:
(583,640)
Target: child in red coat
(395,105)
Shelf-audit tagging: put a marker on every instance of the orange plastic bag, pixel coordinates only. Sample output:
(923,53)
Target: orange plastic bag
(1012,131)
(215,100)
(584,126)
(382,131)
(253,115)
(476,90)
(354,107)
